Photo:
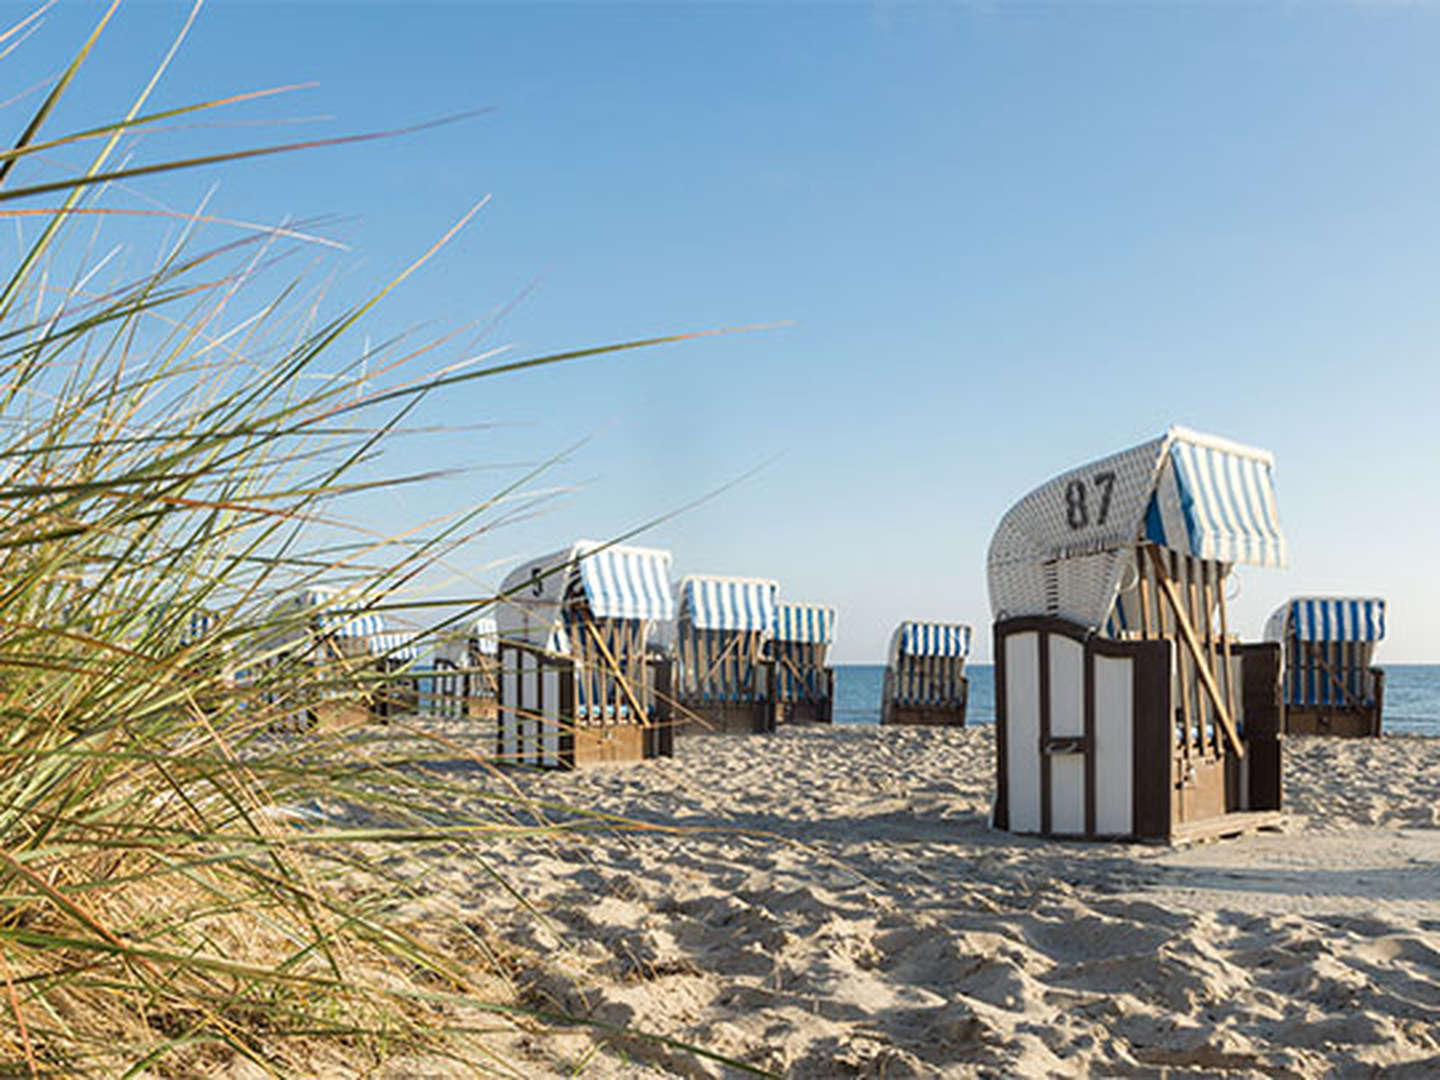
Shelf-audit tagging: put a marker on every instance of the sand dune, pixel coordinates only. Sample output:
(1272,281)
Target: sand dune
(826,903)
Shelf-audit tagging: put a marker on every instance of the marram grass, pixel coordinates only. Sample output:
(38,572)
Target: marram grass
(177,447)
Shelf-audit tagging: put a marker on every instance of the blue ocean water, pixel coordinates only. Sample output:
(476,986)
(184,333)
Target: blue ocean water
(1412,696)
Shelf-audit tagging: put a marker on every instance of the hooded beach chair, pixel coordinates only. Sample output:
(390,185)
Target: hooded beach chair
(465,678)
(577,685)
(320,627)
(804,686)
(724,680)
(1123,706)
(925,678)
(1329,686)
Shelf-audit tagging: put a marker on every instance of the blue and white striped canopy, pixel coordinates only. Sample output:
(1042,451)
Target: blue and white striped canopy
(1216,501)
(198,626)
(804,624)
(628,583)
(1333,618)
(333,619)
(394,645)
(485,634)
(934,639)
(367,625)
(723,603)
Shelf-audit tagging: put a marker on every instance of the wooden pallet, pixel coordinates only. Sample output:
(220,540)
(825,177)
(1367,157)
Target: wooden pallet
(1227,826)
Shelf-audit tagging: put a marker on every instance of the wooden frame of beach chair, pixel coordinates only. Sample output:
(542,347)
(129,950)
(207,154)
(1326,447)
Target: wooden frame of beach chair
(316,629)
(464,675)
(804,685)
(1329,686)
(397,685)
(724,681)
(925,682)
(576,684)
(1124,708)
(482,679)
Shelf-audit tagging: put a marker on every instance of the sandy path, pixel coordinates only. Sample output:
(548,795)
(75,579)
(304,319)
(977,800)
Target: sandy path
(834,904)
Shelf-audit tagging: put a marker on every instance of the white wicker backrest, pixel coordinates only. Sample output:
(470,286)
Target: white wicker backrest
(1060,549)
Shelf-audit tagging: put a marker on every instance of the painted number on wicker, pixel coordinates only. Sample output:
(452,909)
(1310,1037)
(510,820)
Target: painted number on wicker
(1077,502)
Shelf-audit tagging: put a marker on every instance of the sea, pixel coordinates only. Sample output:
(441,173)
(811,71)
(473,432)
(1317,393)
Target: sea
(1412,696)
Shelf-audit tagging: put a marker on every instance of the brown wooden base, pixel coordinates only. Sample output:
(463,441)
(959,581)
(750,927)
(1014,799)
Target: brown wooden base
(725,717)
(609,745)
(396,699)
(1226,826)
(1176,792)
(340,714)
(925,715)
(1347,723)
(803,712)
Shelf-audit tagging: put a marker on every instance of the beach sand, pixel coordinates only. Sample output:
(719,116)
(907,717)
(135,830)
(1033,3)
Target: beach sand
(831,902)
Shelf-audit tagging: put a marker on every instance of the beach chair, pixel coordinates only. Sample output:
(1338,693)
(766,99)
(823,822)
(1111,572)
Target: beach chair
(464,678)
(397,691)
(925,678)
(577,683)
(724,681)
(1329,686)
(320,628)
(1123,706)
(804,686)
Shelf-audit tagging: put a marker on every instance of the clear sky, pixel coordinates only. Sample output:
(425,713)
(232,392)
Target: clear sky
(1007,238)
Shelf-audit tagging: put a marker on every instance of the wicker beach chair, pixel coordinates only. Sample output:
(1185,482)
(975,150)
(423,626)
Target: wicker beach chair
(925,678)
(321,628)
(724,682)
(804,686)
(1329,686)
(464,675)
(577,685)
(1123,706)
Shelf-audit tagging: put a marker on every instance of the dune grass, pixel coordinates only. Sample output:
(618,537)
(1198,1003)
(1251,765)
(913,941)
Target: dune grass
(175,467)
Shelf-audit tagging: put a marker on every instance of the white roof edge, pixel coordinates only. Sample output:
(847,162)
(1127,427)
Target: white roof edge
(730,579)
(581,548)
(1333,596)
(1218,442)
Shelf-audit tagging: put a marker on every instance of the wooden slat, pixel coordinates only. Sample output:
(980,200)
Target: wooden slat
(1206,675)
(1225,644)
(1164,579)
(1333,675)
(1212,654)
(1146,628)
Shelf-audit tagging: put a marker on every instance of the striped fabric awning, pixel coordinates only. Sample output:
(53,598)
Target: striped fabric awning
(332,618)
(1217,501)
(934,639)
(198,626)
(1334,618)
(485,635)
(628,583)
(723,603)
(394,645)
(806,624)
(371,624)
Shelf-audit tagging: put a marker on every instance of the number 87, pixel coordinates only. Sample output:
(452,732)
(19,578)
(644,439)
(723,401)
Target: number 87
(1077,507)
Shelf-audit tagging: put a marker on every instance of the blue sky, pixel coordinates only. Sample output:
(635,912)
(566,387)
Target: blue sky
(1004,239)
